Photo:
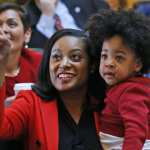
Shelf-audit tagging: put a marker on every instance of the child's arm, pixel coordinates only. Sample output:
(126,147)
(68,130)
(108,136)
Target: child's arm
(134,108)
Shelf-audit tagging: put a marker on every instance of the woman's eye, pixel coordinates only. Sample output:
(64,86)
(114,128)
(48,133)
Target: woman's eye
(76,57)
(56,57)
(12,24)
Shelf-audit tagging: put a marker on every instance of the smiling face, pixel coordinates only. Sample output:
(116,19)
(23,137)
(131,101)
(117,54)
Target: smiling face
(117,62)
(11,24)
(69,64)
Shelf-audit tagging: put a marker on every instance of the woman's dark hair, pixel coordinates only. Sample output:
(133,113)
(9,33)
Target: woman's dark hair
(44,87)
(133,27)
(33,11)
(24,16)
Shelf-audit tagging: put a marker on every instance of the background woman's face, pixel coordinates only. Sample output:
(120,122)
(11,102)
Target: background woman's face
(11,24)
(69,64)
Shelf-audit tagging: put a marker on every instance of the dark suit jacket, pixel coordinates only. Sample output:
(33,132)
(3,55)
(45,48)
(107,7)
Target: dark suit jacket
(82,9)
(87,7)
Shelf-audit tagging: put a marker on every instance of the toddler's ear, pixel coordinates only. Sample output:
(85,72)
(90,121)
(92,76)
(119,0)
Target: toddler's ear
(138,65)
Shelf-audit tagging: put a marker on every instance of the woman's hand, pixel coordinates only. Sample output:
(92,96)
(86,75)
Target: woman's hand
(5,47)
(47,7)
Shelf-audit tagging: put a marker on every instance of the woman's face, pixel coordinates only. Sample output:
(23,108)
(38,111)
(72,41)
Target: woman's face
(69,64)
(11,24)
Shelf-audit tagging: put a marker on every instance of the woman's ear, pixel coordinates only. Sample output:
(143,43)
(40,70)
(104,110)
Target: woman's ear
(28,33)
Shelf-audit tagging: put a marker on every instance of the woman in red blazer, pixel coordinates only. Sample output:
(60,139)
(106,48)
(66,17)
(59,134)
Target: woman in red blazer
(23,63)
(59,112)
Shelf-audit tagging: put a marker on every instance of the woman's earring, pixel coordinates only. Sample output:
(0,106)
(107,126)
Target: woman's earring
(26,45)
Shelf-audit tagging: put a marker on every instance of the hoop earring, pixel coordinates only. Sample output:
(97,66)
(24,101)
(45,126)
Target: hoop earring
(26,45)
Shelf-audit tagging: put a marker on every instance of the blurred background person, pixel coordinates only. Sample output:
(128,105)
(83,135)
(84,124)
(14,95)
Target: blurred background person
(70,14)
(47,17)
(121,4)
(143,6)
(3,1)
(81,10)
(23,62)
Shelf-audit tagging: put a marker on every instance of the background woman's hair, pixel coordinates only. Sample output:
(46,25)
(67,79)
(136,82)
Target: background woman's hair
(23,13)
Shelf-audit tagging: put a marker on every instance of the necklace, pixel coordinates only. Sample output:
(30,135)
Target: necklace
(13,73)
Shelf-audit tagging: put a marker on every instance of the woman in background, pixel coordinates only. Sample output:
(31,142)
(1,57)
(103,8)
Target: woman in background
(23,63)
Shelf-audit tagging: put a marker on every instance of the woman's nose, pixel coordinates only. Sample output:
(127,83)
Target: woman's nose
(3,33)
(65,62)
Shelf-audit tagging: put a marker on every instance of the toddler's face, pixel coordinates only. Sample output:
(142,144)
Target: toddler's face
(117,61)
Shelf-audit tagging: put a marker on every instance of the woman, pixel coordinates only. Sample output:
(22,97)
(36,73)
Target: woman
(48,16)
(22,62)
(59,112)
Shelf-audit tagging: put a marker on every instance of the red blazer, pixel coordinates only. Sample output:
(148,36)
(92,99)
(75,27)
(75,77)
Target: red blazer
(29,65)
(127,112)
(33,117)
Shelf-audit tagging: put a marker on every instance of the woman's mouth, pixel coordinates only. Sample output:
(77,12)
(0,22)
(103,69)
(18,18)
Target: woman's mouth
(65,77)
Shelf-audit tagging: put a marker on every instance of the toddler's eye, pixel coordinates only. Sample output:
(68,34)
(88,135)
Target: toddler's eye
(120,59)
(103,56)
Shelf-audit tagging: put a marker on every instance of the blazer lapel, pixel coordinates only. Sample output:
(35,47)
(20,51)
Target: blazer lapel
(50,119)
